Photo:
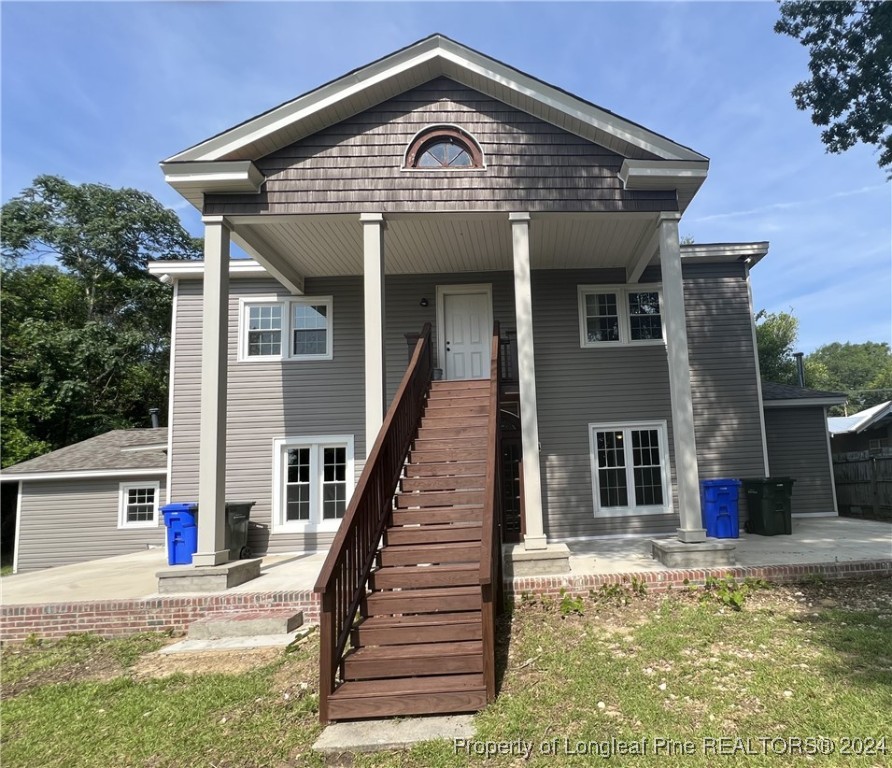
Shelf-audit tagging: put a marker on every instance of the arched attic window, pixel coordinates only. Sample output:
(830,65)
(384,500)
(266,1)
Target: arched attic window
(443,148)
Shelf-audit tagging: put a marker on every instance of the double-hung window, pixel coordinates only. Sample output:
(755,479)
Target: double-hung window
(138,504)
(286,329)
(618,315)
(313,479)
(630,468)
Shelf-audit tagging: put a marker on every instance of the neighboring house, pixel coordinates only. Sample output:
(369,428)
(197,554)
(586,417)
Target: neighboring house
(93,499)
(439,186)
(868,430)
(799,444)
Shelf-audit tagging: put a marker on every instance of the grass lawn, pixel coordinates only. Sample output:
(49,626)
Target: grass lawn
(5,570)
(813,660)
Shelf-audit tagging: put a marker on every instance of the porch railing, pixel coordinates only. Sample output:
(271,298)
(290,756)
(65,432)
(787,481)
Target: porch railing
(491,540)
(345,573)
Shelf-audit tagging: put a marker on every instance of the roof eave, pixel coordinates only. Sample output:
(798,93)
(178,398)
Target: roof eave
(803,402)
(431,57)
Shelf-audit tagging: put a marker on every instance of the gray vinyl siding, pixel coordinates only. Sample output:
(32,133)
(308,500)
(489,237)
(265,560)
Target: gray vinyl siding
(404,313)
(797,448)
(73,521)
(357,164)
(724,382)
(576,387)
(268,400)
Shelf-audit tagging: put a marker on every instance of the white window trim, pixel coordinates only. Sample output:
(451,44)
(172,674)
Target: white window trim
(626,426)
(622,297)
(287,304)
(123,488)
(314,442)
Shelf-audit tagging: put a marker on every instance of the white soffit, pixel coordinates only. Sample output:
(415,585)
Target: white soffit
(418,63)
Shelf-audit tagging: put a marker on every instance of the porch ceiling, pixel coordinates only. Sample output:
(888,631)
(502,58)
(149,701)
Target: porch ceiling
(322,246)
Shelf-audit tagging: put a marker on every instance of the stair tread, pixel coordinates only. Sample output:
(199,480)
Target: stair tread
(388,594)
(418,650)
(421,620)
(433,527)
(439,568)
(402,685)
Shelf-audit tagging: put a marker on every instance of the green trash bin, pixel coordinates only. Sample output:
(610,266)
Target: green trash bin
(237,515)
(769,503)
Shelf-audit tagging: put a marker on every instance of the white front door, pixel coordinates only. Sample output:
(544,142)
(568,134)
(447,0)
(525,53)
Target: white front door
(467,333)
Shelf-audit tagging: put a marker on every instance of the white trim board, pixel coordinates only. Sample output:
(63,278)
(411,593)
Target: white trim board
(85,474)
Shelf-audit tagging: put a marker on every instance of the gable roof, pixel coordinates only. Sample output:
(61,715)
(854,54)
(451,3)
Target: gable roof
(858,422)
(776,395)
(116,452)
(433,56)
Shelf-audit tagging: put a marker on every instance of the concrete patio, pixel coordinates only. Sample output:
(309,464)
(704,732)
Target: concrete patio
(127,577)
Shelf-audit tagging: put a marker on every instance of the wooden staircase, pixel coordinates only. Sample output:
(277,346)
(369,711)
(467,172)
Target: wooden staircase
(421,637)
(418,648)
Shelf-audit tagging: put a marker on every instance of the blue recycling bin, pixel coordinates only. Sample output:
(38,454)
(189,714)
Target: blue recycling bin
(719,507)
(182,532)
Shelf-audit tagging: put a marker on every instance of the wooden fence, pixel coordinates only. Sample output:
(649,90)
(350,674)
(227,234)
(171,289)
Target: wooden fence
(863,485)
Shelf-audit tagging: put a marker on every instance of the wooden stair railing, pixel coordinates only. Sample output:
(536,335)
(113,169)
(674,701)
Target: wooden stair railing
(491,539)
(345,574)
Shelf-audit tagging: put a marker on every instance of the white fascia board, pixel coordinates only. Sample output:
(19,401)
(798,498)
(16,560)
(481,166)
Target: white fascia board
(803,402)
(308,105)
(752,253)
(195,269)
(84,474)
(660,174)
(551,97)
(220,176)
(399,65)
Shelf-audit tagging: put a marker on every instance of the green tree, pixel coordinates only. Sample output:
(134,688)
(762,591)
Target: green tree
(776,334)
(863,371)
(850,88)
(85,339)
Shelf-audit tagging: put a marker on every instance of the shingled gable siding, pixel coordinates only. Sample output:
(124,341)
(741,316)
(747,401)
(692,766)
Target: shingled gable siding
(268,400)
(72,521)
(577,386)
(356,165)
(797,448)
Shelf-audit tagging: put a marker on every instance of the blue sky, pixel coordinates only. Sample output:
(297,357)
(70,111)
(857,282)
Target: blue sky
(103,91)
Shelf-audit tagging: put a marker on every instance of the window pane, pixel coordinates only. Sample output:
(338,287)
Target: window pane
(310,329)
(601,317)
(647,471)
(297,484)
(611,469)
(334,486)
(140,505)
(644,316)
(265,330)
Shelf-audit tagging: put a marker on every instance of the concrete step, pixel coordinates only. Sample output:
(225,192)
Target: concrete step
(233,624)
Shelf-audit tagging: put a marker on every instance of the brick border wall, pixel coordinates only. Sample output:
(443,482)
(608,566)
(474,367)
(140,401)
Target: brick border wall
(662,580)
(115,618)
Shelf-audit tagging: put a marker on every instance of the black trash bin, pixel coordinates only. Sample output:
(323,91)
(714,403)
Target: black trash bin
(769,503)
(237,515)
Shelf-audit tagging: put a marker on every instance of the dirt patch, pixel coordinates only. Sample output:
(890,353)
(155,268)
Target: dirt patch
(228,662)
(98,668)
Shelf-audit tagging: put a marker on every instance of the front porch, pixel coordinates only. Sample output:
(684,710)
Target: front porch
(118,596)
(433,254)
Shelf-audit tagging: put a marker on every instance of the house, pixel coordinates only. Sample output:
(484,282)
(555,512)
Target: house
(868,430)
(798,444)
(466,293)
(97,498)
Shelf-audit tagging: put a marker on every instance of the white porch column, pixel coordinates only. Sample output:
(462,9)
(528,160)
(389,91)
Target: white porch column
(687,474)
(214,350)
(534,538)
(373,294)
